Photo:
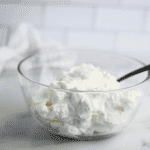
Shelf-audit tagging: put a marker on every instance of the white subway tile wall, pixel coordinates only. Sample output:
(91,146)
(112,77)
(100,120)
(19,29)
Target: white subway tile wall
(148,22)
(136,45)
(23,13)
(119,19)
(108,2)
(53,35)
(91,40)
(133,42)
(117,25)
(6,12)
(140,3)
(68,17)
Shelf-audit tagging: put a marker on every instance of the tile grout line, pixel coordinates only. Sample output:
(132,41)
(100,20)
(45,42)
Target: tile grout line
(94,17)
(115,41)
(66,37)
(43,13)
(116,33)
(144,19)
(120,3)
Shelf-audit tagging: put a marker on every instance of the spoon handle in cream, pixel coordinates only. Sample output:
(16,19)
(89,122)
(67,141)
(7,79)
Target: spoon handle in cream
(140,70)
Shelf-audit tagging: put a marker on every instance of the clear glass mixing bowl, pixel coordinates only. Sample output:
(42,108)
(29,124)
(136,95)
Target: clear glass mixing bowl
(36,72)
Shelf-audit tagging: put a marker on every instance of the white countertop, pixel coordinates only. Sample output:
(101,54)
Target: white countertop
(19,131)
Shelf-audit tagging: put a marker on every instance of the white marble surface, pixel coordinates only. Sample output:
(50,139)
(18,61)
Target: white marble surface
(18,130)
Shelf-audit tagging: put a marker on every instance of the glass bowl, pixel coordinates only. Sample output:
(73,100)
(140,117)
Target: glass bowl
(38,71)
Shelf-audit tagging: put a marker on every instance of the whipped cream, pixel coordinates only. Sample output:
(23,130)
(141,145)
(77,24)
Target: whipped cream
(75,105)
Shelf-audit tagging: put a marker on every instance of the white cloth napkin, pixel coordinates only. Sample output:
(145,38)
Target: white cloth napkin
(6,54)
(25,41)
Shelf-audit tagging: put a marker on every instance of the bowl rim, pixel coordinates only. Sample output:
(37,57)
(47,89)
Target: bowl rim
(69,90)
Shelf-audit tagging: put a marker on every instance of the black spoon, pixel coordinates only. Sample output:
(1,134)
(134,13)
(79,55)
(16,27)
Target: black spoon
(145,68)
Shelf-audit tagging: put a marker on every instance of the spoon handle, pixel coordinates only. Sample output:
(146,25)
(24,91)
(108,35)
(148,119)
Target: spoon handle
(145,68)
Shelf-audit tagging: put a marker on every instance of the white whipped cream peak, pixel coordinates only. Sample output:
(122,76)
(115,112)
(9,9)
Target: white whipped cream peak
(86,77)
